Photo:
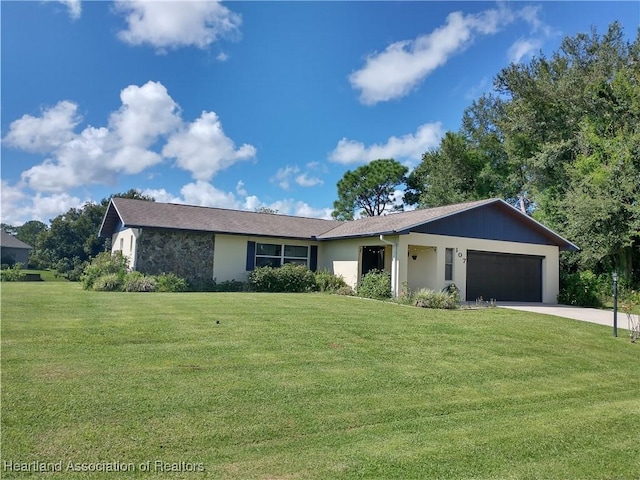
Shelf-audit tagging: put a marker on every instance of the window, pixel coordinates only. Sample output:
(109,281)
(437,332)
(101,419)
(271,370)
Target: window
(121,244)
(448,264)
(275,255)
(131,243)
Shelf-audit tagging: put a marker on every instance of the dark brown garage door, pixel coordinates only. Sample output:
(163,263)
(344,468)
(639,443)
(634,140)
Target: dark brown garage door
(504,277)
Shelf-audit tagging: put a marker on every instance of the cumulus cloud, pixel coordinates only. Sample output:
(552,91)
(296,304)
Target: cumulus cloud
(304,180)
(18,207)
(203,149)
(98,155)
(174,24)
(49,131)
(394,72)
(409,147)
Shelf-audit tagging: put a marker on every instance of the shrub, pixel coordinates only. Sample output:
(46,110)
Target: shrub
(583,289)
(329,282)
(13,274)
(231,286)
(375,284)
(347,290)
(288,278)
(170,282)
(103,264)
(111,282)
(138,282)
(426,298)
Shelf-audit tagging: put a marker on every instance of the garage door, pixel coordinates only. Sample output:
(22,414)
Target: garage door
(504,277)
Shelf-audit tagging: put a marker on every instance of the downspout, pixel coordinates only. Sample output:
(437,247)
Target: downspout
(394,266)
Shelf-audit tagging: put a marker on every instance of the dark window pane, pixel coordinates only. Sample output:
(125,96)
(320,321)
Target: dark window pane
(267,261)
(448,272)
(268,249)
(448,255)
(297,261)
(295,251)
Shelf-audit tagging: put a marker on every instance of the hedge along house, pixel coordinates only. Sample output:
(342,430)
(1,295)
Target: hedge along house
(486,248)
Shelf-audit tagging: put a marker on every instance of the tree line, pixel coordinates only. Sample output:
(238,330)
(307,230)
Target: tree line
(558,138)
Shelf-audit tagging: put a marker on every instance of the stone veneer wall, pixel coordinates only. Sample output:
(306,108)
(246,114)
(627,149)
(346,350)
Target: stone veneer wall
(187,254)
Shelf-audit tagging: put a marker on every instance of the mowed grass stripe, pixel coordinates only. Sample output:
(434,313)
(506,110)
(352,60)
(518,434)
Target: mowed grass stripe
(312,386)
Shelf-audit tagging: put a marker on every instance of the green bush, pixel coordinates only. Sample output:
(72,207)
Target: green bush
(375,284)
(231,286)
(103,264)
(288,278)
(139,282)
(347,290)
(329,282)
(584,289)
(426,298)
(170,282)
(13,274)
(111,282)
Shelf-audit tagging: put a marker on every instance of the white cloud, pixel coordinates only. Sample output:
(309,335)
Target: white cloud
(18,207)
(397,70)
(206,195)
(146,113)
(286,175)
(174,24)
(161,195)
(74,6)
(304,180)
(98,155)
(42,134)
(240,190)
(523,47)
(283,176)
(203,148)
(410,146)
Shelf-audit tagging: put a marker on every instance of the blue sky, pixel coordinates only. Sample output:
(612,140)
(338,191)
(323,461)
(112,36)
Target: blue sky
(247,104)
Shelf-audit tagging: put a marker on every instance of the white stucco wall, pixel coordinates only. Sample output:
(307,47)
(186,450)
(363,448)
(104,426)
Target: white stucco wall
(550,263)
(342,257)
(125,241)
(230,254)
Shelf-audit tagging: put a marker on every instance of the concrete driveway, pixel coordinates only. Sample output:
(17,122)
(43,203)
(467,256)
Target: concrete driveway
(593,315)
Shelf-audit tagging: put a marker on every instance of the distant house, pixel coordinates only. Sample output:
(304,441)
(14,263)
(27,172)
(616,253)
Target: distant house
(487,248)
(13,250)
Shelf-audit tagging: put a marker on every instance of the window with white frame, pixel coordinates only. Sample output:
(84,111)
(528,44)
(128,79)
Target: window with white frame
(275,255)
(448,264)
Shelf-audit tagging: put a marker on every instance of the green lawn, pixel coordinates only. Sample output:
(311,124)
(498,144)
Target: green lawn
(309,387)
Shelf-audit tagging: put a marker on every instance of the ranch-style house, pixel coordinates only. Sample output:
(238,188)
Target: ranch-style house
(487,248)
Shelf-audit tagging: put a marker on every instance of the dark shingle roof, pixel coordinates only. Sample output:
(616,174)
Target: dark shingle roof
(140,213)
(397,222)
(10,241)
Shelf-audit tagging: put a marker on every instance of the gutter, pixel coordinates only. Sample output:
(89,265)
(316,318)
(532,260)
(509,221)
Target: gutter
(394,266)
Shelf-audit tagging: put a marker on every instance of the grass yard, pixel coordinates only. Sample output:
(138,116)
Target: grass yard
(304,386)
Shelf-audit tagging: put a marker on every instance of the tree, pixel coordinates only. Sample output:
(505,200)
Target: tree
(29,231)
(571,122)
(72,238)
(457,171)
(369,189)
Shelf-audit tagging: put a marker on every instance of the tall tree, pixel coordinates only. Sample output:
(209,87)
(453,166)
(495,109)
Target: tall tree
(571,122)
(369,189)
(29,231)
